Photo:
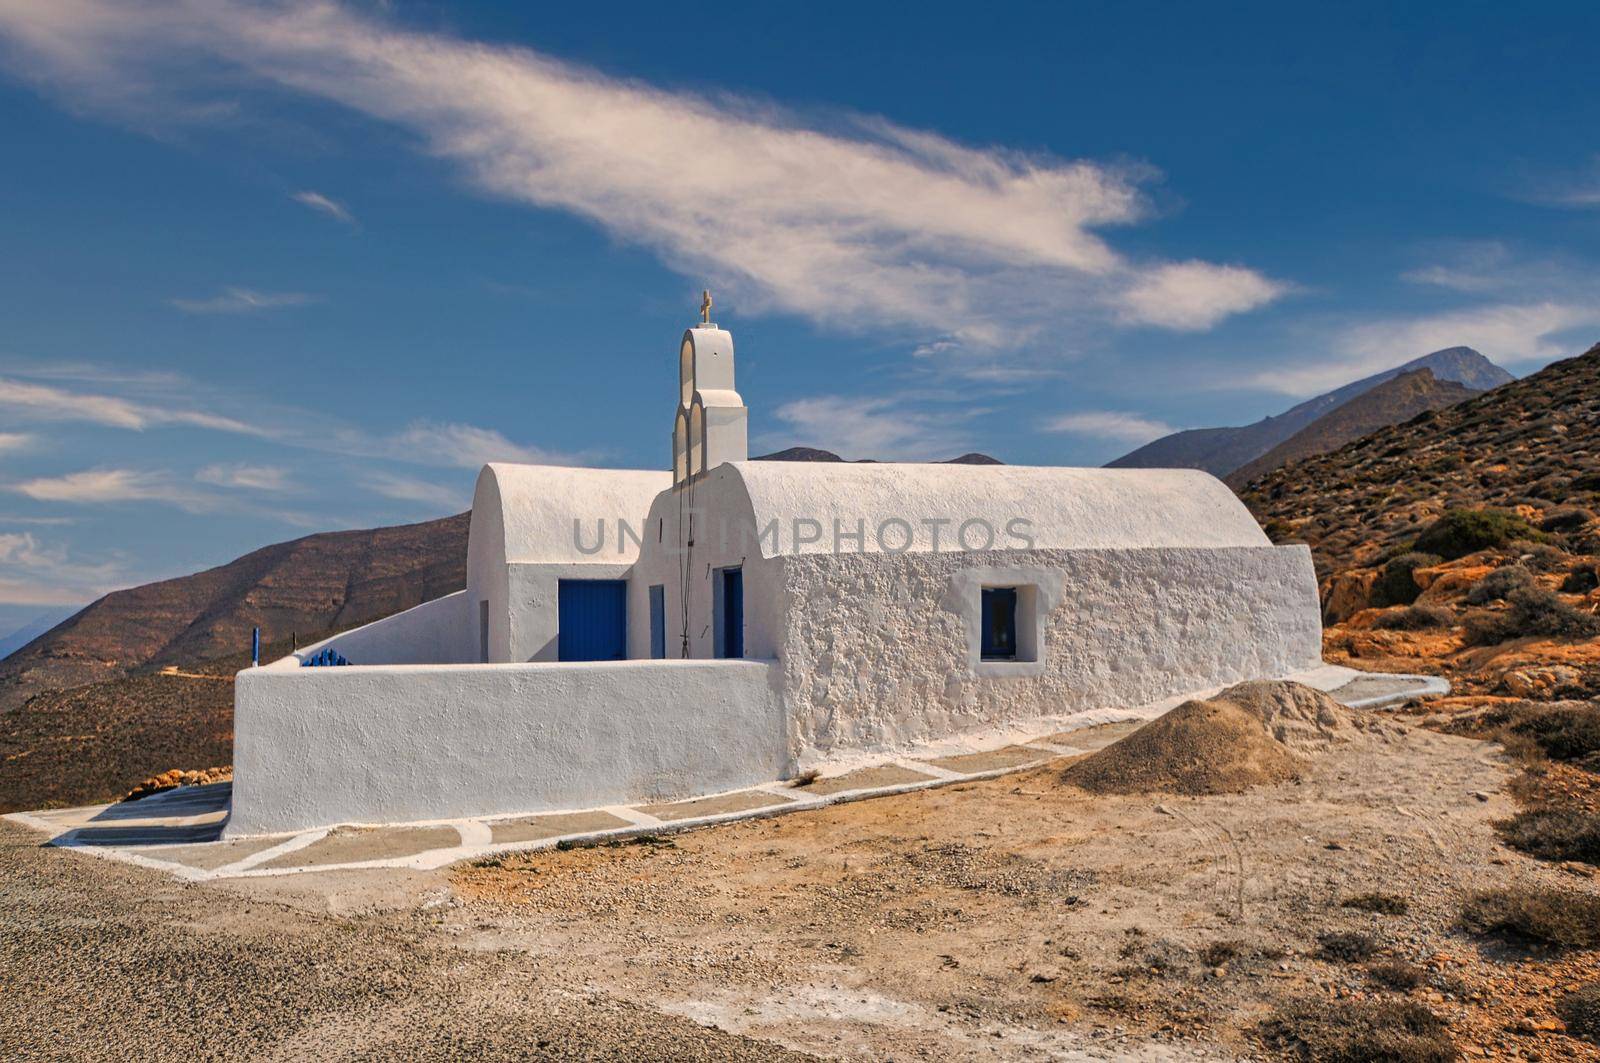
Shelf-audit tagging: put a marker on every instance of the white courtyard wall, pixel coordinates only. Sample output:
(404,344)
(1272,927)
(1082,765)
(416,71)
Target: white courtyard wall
(881,650)
(320,746)
(435,632)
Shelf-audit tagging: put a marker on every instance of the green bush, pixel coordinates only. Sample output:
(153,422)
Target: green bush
(1395,584)
(1460,532)
(1537,914)
(1554,834)
(1563,520)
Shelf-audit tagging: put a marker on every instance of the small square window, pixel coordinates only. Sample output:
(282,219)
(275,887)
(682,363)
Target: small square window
(999,634)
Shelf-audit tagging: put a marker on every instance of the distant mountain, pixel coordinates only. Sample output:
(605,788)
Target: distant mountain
(1220,451)
(1391,402)
(813,454)
(31,630)
(799,454)
(323,582)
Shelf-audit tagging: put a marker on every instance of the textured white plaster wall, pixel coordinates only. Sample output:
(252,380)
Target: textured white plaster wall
(443,631)
(319,746)
(878,650)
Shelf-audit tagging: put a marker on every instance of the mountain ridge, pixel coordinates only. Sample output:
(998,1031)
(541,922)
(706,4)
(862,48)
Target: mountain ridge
(1222,450)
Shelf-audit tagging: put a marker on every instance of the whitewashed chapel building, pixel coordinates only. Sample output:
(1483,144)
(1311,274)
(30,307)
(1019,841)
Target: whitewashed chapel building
(633,635)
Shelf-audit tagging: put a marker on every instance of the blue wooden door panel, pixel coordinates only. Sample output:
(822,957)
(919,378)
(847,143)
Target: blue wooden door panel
(658,622)
(592,620)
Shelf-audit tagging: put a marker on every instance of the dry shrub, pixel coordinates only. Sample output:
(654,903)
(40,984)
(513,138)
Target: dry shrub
(1380,903)
(1415,618)
(1532,611)
(1359,1031)
(1580,1010)
(1559,833)
(1581,580)
(1396,584)
(1346,946)
(1397,974)
(1535,914)
(1567,731)
(1499,584)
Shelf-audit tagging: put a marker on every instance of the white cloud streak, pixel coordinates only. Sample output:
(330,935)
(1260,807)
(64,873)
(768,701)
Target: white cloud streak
(245,477)
(879,428)
(102,486)
(462,445)
(10,442)
(46,402)
(242,301)
(323,205)
(1110,424)
(865,225)
(409,489)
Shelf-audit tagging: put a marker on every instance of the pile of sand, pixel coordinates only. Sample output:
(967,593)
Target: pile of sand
(1253,733)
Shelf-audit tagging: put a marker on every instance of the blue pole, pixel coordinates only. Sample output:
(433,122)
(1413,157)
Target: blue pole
(255,647)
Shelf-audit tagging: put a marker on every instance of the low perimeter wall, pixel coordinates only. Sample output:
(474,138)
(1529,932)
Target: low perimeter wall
(382,744)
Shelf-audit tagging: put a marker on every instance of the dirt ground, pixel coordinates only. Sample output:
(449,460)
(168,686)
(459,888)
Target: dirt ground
(1014,918)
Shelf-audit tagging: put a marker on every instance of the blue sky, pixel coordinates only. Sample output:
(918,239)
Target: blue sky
(278,268)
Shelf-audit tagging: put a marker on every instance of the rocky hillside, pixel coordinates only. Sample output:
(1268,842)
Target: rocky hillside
(1392,402)
(1464,541)
(322,582)
(1222,450)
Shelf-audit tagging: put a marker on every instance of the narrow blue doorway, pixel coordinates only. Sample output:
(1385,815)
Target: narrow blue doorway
(658,622)
(592,620)
(732,613)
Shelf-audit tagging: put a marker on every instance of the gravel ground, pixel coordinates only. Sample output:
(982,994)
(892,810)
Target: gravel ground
(100,960)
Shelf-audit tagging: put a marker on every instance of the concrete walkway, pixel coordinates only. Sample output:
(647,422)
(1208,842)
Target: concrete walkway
(179,831)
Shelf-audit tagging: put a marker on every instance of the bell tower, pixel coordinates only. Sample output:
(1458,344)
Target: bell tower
(712,423)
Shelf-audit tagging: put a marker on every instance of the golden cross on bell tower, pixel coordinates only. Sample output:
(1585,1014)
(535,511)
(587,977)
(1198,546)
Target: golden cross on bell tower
(705,306)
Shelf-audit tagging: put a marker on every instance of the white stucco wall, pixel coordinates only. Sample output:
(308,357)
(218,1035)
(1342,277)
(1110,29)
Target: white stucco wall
(436,632)
(881,651)
(522,540)
(319,746)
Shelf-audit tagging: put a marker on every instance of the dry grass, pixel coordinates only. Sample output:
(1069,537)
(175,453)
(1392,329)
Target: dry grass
(1535,915)
(1580,1010)
(1359,1031)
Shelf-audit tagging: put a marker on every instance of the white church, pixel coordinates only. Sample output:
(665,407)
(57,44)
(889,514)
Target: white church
(630,635)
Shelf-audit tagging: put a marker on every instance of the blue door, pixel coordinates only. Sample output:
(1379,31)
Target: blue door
(658,622)
(592,619)
(732,612)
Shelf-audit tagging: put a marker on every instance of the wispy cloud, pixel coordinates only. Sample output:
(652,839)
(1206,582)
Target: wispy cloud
(14,441)
(323,205)
(242,301)
(46,402)
(246,477)
(409,489)
(35,573)
(463,445)
(882,428)
(99,486)
(1110,424)
(855,221)
(1579,190)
